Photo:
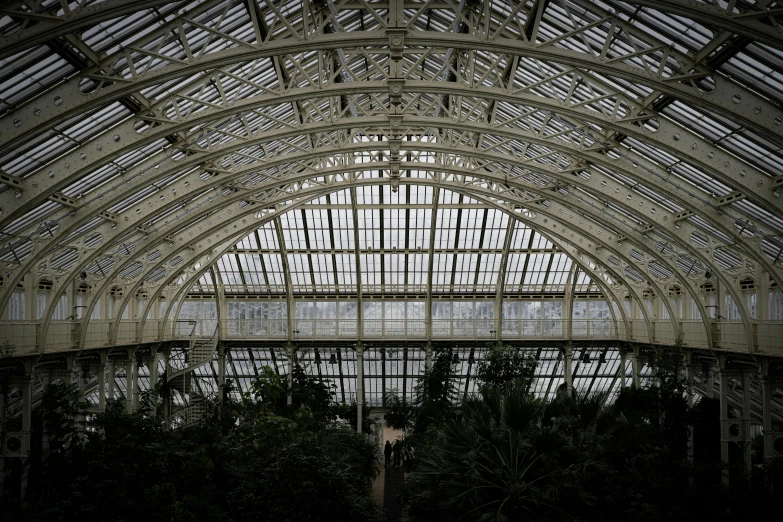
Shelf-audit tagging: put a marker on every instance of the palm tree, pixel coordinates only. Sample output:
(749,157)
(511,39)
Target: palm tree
(509,456)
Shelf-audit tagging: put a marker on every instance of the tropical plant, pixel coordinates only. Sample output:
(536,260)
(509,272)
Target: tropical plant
(508,456)
(253,459)
(503,365)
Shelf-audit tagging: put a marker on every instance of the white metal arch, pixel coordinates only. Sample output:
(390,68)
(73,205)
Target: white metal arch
(588,209)
(607,187)
(72,102)
(415,180)
(222,202)
(51,26)
(195,274)
(669,137)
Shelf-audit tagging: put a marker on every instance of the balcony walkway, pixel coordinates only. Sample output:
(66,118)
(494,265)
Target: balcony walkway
(65,336)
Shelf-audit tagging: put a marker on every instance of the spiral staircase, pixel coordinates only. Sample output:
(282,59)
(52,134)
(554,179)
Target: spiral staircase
(182,379)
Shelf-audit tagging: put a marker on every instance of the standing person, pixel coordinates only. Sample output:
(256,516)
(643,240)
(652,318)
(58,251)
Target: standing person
(387,452)
(397,449)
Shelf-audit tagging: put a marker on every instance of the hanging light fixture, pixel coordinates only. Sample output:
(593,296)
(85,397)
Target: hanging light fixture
(332,359)
(586,357)
(317,357)
(455,358)
(602,358)
(471,357)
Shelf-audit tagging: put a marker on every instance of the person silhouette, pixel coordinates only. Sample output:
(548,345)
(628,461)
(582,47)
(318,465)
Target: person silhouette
(387,452)
(397,449)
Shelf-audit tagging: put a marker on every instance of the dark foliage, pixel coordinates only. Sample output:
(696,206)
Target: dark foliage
(256,459)
(508,456)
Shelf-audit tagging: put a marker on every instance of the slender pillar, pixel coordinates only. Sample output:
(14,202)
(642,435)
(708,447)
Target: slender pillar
(152,364)
(3,391)
(101,387)
(167,399)
(25,387)
(746,416)
(130,380)
(568,373)
(623,382)
(290,377)
(428,355)
(136,388)
(221,372)
(690,376)
(636,368)
(359,385)
(762,296)
(112,373)
(724,417)
(30,297)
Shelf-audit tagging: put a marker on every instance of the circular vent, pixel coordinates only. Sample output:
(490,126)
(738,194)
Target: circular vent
(13,444)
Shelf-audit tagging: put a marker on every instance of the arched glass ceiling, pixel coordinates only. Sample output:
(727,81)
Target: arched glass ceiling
(395,248)
(660,122)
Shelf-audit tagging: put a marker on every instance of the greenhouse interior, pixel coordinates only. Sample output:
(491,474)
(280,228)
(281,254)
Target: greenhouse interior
(396,260)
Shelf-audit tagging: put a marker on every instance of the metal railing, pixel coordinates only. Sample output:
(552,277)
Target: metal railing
(66,335)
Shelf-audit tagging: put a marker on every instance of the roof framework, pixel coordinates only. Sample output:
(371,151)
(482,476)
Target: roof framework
(160,148)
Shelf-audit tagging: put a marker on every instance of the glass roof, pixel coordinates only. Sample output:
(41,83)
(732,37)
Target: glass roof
(393,249)
(126,131)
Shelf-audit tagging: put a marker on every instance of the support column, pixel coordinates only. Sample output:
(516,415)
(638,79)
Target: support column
(3,391)
(762,296)
(724,417)
(428,355)
(112,373)
(130,370)
(768,384)
(30,297)
(691,370)
(568,355)
(101,387)
(636,368)
(359,385)
(167,399)
(221,372)
(26,389)
(746,416)
(136,364)
(623,364)
(152,364)
(290,377)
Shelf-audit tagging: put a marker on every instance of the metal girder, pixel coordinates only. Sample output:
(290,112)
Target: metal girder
(185,285)
(66,101)
(629,164)
(431,255)
(358,261)
(601,253)
(38,28)
(289,287)
(210,208)
(750,23)
(502,276)
(598,184)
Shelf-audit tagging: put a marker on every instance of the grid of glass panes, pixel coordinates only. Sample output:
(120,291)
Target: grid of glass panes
(394,319)
(591,318)
(325,319)
(532,318)
(469,319)
(250,318)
